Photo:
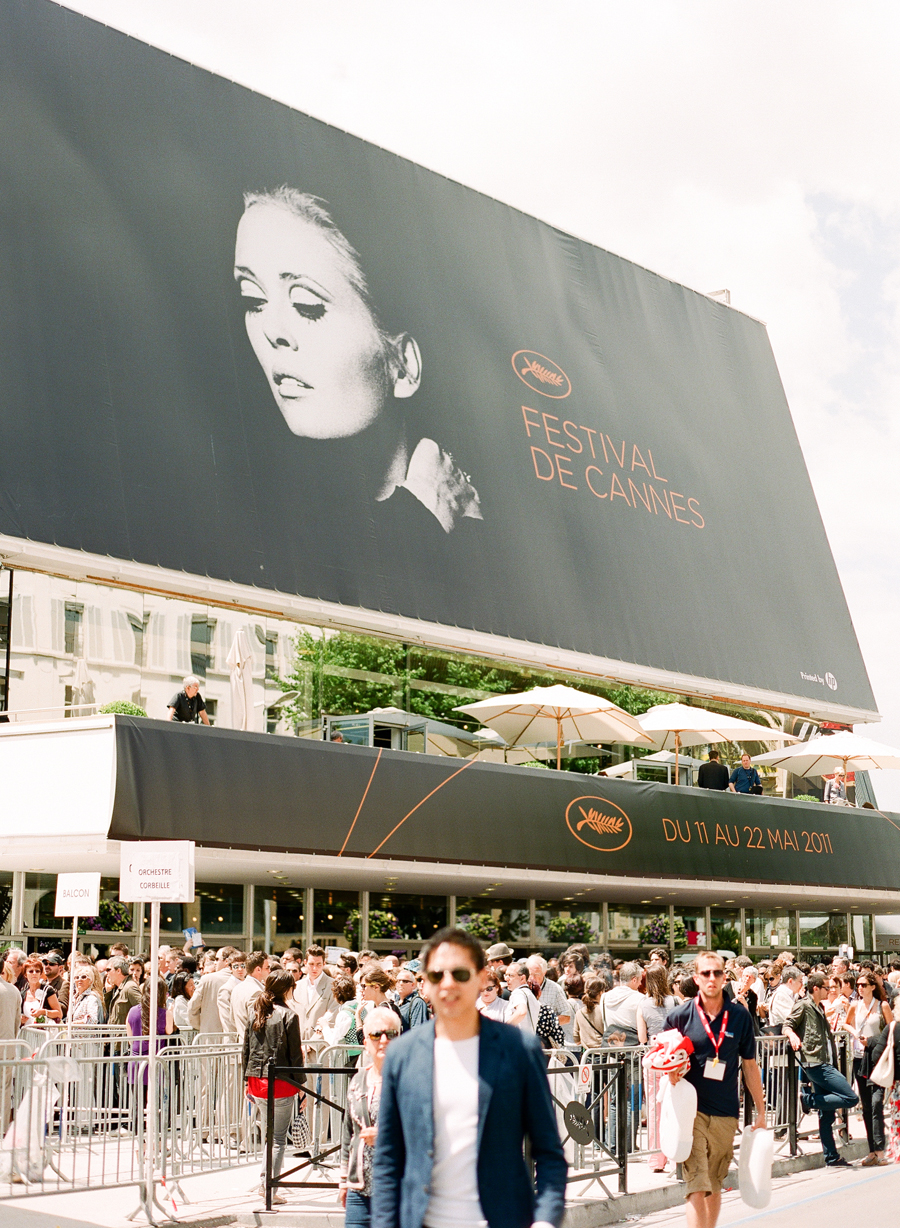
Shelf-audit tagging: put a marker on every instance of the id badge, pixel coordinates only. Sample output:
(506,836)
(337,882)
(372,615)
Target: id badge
(714,1070)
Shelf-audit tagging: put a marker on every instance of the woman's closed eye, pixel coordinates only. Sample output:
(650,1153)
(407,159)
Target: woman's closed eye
(252,295)
(306,303)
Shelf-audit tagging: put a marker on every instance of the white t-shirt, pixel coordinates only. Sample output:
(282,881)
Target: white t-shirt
(454,1201)
(524,997)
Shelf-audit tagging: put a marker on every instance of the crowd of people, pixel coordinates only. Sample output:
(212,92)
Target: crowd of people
(276,1006)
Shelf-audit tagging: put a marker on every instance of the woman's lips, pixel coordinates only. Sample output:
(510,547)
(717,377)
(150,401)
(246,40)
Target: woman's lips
(290,387)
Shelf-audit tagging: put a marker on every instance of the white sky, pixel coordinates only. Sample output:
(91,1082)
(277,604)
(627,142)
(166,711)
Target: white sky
(749,146)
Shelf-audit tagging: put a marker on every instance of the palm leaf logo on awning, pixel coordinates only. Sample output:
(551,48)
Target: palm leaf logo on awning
(602,824)
(598,823)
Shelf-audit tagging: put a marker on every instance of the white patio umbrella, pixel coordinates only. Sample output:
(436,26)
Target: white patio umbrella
(82,686)
(822,755)
(240,663)
(556,714)
(675,725)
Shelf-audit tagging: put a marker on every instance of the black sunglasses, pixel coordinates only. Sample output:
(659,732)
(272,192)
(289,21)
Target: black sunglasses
(716,972)
(388,1032)
(459,974)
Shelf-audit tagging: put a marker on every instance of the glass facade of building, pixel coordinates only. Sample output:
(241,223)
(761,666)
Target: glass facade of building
(273,918)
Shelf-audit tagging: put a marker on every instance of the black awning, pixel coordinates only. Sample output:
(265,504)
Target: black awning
(224,788)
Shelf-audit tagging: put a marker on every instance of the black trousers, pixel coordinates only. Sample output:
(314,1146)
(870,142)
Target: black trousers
(871,1100)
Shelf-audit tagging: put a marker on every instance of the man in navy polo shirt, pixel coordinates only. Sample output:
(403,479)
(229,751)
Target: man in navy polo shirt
(745,779)
(724,1047)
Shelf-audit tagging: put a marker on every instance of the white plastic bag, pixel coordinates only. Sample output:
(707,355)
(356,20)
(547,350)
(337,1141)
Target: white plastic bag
(677,1110)
(755,1166)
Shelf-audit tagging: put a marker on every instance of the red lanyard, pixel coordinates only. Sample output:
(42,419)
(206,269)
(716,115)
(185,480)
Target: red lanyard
(716,1043)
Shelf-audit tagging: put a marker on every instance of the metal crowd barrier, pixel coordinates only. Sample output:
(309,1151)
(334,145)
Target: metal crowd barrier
(325,1086)
(74,1115)
(73,1109)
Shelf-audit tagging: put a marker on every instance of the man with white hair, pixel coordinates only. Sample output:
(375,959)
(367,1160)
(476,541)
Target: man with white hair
(551,993)
(188,706)
(14,963)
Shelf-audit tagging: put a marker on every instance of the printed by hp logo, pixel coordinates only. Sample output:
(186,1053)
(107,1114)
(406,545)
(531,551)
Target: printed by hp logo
(831,682)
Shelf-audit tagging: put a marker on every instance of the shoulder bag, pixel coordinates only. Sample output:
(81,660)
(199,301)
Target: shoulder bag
(883,1073)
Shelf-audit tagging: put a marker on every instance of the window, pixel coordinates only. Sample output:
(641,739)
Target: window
(271,655)
(212,708)
(770,927)
(202,631)
(74,618)
(218,908)
(820,930)
(6,896)
(40,905)
(726,929)
(627,922)
(392,915)
(694,922)
(139,628)
(278,917)
(336,918)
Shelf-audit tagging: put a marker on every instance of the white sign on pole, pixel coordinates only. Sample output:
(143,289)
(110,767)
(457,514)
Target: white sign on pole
(585,1076)
(77,895)
(160,870)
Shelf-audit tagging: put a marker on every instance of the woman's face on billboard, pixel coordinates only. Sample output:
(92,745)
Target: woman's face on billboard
(312,333)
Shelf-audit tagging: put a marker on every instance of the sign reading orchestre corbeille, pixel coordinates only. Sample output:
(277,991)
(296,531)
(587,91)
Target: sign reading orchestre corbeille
(157,870)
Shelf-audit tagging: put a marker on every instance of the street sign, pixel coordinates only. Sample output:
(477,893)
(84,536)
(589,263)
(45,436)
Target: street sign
(77,895)
(161,870)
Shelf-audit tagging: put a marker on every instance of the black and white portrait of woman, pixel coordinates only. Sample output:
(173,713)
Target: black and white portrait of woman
(335,372)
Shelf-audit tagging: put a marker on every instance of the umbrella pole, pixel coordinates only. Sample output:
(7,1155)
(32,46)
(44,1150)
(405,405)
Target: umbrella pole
(677,745)
(558,743)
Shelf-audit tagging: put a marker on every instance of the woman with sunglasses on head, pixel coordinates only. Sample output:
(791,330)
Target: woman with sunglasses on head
(360,1128)
(868,1016)
(39,1002)
(88,1004)
(374,987)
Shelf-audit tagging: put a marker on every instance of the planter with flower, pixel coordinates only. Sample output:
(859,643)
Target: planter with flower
(381,925)
(480,925)
(655,932)
(570,929)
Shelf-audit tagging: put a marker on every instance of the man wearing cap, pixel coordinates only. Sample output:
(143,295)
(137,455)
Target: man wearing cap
(55,975)
(498,958)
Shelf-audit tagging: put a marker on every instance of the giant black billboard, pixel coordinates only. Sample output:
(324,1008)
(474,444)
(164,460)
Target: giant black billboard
(242,344)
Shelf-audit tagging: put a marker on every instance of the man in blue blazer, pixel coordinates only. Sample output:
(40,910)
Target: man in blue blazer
(459,1097)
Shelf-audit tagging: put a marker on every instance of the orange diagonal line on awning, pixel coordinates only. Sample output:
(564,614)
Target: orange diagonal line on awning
(421,803)
(362,799)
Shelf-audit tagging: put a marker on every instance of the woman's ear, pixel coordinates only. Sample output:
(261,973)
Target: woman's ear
(408,371)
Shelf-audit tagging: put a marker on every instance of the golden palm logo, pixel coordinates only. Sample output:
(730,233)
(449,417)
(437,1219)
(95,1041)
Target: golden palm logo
(532,367)
(602,824)
(541,374)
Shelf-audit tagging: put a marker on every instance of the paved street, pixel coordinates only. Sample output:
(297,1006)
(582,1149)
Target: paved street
(859,1195)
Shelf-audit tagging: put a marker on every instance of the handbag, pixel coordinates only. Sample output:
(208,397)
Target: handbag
(300,1136)
(883,1073)
(548,1029)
